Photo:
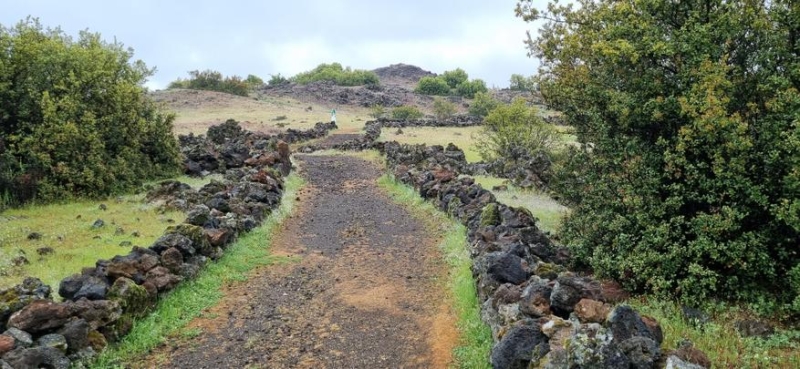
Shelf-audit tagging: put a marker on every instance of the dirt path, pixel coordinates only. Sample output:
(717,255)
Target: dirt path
(366,293)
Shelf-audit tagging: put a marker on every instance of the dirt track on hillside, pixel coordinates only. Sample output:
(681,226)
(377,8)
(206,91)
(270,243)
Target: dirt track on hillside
(366,293)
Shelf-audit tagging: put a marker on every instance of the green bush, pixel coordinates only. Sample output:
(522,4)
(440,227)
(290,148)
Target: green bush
(337,74)
(443,109)
(482,104)
(212,80)
(455,77)
(406,113)
(377,111)
(468,89)
(687,183)
(253,82)
(75,118)
(277,80)
(436,86)
(522,83)
(512,129)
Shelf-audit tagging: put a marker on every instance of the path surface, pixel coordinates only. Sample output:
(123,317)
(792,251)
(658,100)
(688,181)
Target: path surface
(366,293)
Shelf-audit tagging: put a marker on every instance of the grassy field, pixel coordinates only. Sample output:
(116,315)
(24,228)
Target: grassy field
(68,242)
(475,336)
(190,299)
(461,137)
(198,110)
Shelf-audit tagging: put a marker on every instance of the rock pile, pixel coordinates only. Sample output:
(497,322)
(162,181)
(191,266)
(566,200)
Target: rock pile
(101,302)
(541,315)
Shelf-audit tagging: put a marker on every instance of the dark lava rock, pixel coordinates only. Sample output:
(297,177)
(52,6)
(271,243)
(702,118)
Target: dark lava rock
(98,224)
(76,334)
(79,286)
(170,240)
(198,215)
(753,328)
(44,251)
(625,323)
(37,357)
(34,236)
(569,290)
(519,346)
(535,300)
(506,268)
(53,340)
(641,351)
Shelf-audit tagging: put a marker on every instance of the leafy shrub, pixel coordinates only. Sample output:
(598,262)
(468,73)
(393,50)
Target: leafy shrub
(482,104)
(455,77)
(213,81)
(406,113)
(512,129)
(278,80)
(337,74)
(687,183)
(443,109)
(436,86)
(468,89)
(253,82)
(522,83)
(377,111)
(74,117)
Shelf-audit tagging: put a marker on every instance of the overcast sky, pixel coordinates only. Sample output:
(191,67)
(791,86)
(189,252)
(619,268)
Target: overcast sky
(269,37)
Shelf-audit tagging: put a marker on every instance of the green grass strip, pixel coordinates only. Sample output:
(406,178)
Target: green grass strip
(475,336)
(189,299)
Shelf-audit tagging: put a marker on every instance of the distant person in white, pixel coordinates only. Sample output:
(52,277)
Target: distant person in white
(333,115)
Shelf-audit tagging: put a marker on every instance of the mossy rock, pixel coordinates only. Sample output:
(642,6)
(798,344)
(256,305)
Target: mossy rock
(97,341)
(453,206)
(548,270)
(194,233)
(490,215)
(133,299)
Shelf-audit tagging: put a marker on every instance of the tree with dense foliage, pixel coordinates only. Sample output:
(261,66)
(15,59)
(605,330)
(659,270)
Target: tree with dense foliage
(482,104)
(337,74)
(212,80)
(519,82)
(455,77)
(687,179)
(75,118)
(435,86)
(277,80)
(468,89)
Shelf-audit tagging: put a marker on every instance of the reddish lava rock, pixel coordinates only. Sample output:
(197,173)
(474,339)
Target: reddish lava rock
(6,344)
(591,311)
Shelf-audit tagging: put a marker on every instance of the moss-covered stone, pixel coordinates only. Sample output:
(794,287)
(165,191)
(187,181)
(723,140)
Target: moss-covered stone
(453,206)
(194,233)
(97,341)
(132,298)
(549,271)
(490,215)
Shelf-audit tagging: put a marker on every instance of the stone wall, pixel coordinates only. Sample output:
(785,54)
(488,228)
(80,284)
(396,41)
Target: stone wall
(100,303)
(541,314)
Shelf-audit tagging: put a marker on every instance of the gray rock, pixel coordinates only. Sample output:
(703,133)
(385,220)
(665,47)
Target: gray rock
(78,286)
(673,362)
(535,299)
(5,365)
(198,215)
(98,224)
(753,328)
(523,343)
(53,340)
(642,352)
(37,357)
(76,333)
(21,338)
(694,316)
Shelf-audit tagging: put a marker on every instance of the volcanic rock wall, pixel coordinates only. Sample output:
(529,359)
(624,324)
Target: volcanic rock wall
(100,303)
